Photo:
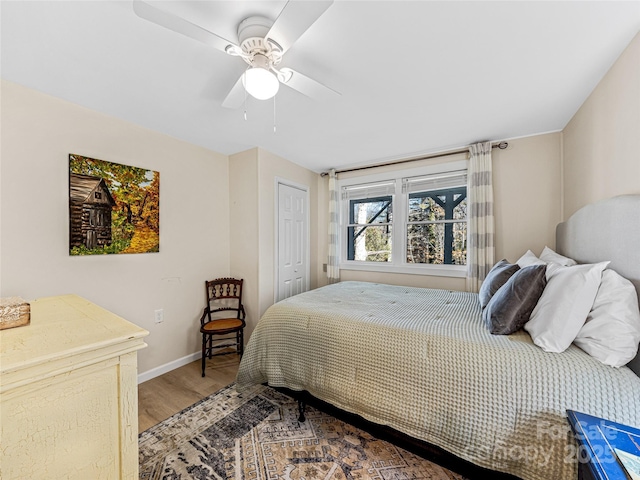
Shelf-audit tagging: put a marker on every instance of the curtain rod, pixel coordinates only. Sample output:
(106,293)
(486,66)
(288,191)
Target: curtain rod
(500,145)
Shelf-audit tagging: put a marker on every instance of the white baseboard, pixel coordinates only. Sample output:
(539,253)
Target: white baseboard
(167,367)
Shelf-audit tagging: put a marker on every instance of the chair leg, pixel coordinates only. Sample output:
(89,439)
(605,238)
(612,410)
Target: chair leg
(241,342)
(204,352)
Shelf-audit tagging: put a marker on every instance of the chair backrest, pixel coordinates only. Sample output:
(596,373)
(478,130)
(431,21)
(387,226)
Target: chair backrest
(224,294)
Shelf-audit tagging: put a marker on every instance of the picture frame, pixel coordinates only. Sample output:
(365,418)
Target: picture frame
(113,208)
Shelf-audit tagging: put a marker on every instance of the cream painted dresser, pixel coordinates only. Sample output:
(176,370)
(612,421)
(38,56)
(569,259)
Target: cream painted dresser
(69,398)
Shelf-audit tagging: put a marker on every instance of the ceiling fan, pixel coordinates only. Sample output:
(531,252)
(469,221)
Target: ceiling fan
(261,44)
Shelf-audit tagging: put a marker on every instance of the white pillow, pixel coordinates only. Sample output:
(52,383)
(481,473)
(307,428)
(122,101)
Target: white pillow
(549,256)
(612,330)
(552,269)
(564,305)
(529,259)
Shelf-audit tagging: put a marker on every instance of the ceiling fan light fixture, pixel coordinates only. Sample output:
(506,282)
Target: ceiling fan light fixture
(260,83)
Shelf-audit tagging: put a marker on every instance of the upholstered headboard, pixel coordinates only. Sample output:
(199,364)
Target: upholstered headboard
(606,230)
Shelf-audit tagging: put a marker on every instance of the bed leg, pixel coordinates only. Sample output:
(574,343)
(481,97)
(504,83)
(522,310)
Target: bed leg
(301,406)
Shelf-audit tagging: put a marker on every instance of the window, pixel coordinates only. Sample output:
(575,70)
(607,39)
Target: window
(369,230)
(437,218)
(415,223)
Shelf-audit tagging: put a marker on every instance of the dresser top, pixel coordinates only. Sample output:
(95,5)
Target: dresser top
(65,326)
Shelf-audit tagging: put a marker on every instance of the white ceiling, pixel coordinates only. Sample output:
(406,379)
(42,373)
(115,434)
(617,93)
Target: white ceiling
(414,76)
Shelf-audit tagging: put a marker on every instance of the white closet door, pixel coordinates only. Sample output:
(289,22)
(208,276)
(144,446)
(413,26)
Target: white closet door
(293,241)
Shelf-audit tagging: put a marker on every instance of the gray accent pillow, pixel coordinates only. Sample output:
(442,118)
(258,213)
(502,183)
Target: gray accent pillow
(497,277)
(511,306)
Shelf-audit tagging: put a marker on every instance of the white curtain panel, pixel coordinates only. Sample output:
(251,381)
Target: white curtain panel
(333,268)
(481,238)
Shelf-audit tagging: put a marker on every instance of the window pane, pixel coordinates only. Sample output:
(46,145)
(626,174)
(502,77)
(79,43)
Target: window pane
(371,244)
(460,211)
(450,204)
(371,210)
(423,208)
(426,243)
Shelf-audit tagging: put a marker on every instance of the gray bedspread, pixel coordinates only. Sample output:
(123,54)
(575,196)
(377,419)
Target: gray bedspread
(422,361)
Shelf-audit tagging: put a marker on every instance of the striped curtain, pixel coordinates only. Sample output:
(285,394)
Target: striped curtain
(481,243)
(333,268)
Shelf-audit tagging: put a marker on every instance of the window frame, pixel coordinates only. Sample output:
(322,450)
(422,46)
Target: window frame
(399,224)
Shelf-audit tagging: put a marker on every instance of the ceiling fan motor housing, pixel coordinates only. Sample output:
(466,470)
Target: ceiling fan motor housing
(251,35)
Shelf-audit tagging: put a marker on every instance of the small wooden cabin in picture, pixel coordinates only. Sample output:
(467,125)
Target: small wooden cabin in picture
(90,205)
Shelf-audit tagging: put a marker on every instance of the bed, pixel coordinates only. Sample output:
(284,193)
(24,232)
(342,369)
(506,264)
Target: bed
(422,361)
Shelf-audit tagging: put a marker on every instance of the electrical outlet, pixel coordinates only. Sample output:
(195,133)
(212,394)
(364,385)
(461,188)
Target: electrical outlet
(159,315)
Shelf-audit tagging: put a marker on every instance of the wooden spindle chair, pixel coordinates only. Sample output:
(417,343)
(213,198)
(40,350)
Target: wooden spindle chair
(223,295)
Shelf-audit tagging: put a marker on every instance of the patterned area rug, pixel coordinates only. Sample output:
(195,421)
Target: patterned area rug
(256,435)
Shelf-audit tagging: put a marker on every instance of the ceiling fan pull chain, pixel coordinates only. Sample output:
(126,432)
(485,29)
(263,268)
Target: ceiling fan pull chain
(274,115)
(245,104)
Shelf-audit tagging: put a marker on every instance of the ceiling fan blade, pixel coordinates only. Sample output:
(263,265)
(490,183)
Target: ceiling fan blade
(236,96)
(295,19)
(308,86)
(180,25)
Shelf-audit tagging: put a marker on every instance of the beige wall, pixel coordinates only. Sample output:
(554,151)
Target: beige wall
(252,180)
(527,191)
(601,142)
(270,168)
(217,219)
(243,230)
(527,195)
(38,134)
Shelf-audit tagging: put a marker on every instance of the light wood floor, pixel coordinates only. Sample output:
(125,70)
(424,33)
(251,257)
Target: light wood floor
(161,397)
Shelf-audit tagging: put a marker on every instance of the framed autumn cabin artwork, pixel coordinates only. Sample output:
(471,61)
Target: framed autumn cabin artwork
(113,208)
